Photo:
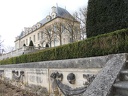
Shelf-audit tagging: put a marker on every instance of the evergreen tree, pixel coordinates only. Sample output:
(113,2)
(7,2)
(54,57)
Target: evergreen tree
(105,16)
(24,44)
(47,45)
(31,43)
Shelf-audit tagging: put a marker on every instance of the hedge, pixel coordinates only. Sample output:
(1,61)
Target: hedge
(104,16)
(110,43)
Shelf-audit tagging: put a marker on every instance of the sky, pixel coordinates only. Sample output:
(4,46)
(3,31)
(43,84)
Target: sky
(17,14)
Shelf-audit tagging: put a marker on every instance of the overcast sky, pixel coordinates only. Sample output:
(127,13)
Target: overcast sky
(17,14)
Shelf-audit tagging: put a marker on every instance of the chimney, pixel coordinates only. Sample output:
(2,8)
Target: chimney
(53,9)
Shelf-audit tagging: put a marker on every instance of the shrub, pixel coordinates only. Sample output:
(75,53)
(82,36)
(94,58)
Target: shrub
(31,43)
(110,43)
(106,16)
(47,45)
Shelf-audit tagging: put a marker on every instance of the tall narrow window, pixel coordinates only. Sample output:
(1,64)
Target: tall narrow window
(42,35)
(23,42)
(26,41)
(70,40)
(34,38)
(38,36)
(63,28)
(55,28)
(29,38)
(64,40)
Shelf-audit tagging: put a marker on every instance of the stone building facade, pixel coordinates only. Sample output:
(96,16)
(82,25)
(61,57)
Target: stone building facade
(58,28)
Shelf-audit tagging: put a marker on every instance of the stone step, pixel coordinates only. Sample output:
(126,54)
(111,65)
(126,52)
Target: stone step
(121,88)
(126,64)
(124,71)
(124,75)
(119,95)
(121,92)
(121,85)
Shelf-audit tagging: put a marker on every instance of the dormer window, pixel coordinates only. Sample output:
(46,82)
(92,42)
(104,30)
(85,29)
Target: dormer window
(53,15)
(23,33)
(34,27)
(30,30)
(48,18)
(26,32)
(53,12)
(38,25)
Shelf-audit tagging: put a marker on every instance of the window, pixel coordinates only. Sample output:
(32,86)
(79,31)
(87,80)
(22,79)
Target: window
(64,40)
(38,36)
(70,39)
(54,28)
(54,42)
(42,35)
(21,45)
(26,41)
(49,30)
(63,28)
(34,38)
(23,42)
(34,28)
(69,29)
(38,25)
(48,18)
(29,38)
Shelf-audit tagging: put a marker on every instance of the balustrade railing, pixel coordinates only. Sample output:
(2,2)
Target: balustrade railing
(20,51)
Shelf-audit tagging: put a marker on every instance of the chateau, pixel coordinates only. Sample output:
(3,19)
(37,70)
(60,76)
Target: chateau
(57,28)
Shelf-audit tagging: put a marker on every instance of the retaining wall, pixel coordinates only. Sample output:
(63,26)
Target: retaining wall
(55,78)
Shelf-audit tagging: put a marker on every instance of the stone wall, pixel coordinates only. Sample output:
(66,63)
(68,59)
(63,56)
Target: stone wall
(60,77)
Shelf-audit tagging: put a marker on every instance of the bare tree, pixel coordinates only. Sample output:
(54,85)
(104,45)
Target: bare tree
(58,31)
(8,49)
(49,35)
(72,26)
(1,45)
(81,16)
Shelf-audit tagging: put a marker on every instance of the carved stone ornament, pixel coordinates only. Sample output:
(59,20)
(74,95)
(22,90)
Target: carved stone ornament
(65,89)
(57,75)
(89,78)
(68,91)
(22,73)
(17,76)
(71,78)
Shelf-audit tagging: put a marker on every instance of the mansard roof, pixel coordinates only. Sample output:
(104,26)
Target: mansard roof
(21,34)
(64,13)
(60,12)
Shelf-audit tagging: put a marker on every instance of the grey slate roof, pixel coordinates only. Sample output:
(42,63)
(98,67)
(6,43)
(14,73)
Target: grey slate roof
(21,34)
(60,12)
(63,13)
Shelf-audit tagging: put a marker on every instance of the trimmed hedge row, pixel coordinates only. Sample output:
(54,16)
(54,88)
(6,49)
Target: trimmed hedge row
(106,16)
(111,43)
